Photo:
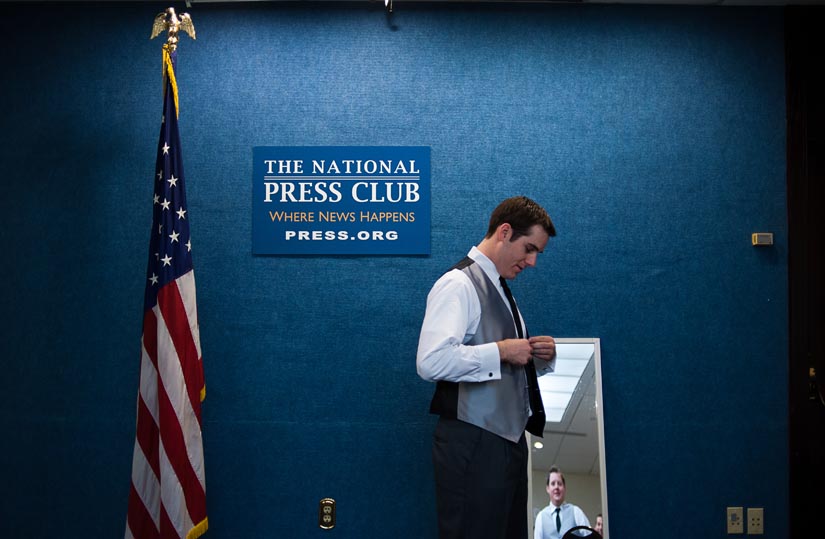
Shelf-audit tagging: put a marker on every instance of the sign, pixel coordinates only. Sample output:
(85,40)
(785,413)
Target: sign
(341,200)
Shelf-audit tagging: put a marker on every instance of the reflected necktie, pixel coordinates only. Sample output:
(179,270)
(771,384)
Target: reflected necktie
(535,424)
(558,519)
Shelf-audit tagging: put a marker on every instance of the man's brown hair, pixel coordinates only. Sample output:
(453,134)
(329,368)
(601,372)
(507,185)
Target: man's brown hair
(522,214)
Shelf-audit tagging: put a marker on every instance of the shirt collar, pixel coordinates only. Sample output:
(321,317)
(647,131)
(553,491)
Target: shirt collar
(486,264)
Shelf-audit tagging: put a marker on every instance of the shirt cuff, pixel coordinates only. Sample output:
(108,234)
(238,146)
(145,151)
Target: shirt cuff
(544,367)
(489,362)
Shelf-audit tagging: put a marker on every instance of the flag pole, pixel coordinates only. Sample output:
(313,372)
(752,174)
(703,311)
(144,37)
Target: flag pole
(170,22)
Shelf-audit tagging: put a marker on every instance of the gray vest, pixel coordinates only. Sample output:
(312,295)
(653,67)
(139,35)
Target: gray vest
(499,406)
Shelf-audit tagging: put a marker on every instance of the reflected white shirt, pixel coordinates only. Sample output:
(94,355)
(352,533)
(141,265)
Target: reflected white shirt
(452,318)
(571,516)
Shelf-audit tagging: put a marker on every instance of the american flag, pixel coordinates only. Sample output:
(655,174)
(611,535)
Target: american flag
(168,494)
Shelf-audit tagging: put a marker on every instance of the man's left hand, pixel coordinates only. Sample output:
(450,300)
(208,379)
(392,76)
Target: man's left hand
(544,347)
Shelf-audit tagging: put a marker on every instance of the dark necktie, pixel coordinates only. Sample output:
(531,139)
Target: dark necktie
(535,424)
(558,519)
(513,307)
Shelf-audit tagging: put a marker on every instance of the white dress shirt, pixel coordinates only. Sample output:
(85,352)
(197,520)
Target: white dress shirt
(571,516)
(452,318)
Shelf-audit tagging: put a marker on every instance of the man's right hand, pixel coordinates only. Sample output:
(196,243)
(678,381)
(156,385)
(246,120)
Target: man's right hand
(515,351)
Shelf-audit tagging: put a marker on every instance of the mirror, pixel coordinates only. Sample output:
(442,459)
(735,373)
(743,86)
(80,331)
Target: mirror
(574,433)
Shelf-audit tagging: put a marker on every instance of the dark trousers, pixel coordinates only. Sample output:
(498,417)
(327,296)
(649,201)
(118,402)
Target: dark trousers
(480,483)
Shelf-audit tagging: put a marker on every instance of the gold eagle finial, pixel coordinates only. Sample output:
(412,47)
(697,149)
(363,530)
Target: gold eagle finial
(169,21)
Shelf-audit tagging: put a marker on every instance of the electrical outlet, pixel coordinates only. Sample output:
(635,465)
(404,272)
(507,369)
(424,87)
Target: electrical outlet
(326,514)
(756,521)
(736,521)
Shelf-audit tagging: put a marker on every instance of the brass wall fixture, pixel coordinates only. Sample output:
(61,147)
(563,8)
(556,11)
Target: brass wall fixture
(326,514)
(762,238)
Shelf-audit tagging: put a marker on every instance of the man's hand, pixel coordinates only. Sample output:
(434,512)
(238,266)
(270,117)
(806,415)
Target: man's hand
(544,347)
(515,351)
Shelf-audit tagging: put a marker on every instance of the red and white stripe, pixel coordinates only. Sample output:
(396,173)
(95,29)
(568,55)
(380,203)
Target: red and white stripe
(168,495)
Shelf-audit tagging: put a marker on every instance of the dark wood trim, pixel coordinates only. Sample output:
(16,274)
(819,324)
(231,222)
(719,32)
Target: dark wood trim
(805,63)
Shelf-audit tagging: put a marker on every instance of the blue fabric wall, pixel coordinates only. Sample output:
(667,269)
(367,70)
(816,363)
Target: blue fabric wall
(654,136)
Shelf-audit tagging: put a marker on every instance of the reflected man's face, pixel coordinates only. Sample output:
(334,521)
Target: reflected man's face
(556,489)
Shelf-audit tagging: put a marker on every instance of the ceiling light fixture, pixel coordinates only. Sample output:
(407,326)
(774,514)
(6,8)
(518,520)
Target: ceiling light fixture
(557,388)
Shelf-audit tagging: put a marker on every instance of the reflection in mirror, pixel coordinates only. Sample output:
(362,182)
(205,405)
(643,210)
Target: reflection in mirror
(574,434)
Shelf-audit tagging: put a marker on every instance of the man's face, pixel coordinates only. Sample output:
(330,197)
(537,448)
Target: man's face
(599,525)
(556,489)
(516,255)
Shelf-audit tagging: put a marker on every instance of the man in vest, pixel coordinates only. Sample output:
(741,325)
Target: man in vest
(474,344)
(559,516)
